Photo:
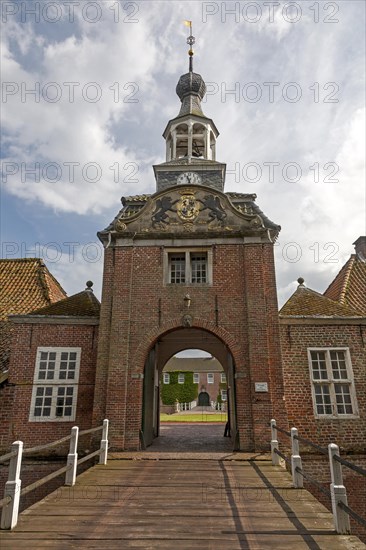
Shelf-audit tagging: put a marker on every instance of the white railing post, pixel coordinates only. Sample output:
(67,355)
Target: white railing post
(274,444)
(9,516)
(72,457)
(297,478)
(104,444)
(338,492)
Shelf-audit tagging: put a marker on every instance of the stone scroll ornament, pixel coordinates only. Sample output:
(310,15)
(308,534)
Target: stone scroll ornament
(120,226)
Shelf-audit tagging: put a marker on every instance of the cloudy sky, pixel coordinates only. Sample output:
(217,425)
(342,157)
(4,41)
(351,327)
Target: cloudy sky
(88,88)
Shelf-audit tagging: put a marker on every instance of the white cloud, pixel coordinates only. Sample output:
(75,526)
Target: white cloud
(72,270)
(152,54)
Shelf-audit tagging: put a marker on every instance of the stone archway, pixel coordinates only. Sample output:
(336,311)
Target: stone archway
(167,345)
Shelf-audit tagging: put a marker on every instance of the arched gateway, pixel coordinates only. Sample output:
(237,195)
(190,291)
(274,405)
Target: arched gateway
(166,346)
(188,262)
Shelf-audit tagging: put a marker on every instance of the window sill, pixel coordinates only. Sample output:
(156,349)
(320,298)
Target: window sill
(190,285)
(339,417)
(39,420)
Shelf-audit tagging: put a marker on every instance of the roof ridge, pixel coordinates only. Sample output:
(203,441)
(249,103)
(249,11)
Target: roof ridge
(320,295)
(351,262)
(43,281)
(49,274)
(69,302)
(350,311)
(341,304)
(38,260)
(346,268)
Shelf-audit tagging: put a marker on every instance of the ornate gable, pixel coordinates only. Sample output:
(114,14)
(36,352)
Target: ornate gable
(186,210)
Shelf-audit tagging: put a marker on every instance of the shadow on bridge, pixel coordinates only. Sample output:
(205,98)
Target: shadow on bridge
(183,504)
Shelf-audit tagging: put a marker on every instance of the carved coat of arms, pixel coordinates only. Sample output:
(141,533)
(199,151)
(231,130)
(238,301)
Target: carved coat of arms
(188,207)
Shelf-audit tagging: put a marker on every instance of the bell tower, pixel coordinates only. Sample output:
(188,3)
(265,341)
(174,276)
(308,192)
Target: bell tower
(190,138)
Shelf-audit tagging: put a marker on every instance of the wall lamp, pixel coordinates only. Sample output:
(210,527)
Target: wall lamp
(187,300)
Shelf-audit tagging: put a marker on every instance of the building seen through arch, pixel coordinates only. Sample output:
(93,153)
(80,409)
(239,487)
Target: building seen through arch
(201,379)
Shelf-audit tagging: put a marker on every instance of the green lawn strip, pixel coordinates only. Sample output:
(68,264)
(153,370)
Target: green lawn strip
(193,417)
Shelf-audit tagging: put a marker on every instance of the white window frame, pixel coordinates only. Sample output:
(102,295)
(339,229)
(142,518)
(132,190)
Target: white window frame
(166,378)
(188,265)
(53,384)
(210,378)
(330,382)
(181,378)
(223,378)
(196,378)
(223,393)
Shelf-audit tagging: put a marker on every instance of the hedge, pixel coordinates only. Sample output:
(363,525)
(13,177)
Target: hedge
(183,393)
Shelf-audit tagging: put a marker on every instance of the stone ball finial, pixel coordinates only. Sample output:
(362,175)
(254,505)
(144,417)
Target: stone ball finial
(191,83)
(89,285)
(301,281)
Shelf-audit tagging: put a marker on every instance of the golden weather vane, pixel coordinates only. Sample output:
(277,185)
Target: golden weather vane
(190,41)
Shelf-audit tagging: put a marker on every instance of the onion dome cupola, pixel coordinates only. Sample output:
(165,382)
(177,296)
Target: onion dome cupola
(190,137)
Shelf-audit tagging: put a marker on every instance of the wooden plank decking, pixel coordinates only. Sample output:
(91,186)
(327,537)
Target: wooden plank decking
(179,504)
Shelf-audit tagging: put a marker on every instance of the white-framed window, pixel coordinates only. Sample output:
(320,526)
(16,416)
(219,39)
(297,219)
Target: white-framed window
(199,267)
(192,266)
(166,378)
(332,382)
(181,378)
(196,378)
(177,268)
(210,378)
(55,384)
(223,378)
(224,395)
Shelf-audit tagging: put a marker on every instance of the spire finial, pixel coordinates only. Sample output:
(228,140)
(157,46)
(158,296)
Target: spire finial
(89,285)
(190,41)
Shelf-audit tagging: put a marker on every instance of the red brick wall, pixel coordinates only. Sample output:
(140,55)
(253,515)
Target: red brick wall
(243,280)
(349,434)
(26,339)
(6,400)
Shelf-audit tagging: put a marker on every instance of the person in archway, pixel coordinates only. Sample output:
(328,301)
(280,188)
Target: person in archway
(227,430)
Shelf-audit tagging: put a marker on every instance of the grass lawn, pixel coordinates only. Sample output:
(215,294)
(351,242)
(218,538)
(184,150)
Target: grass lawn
(198,417)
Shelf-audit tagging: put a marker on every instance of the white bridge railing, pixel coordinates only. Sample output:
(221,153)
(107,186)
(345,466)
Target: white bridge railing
(337,491)
(185,406)
(218,406)
(13,491)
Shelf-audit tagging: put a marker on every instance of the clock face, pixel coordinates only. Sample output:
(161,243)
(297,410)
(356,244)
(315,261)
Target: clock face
(188,178)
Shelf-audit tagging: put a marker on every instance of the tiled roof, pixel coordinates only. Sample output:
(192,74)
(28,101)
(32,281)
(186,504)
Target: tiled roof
(193,364)
(240,197)
(308,303)
(83,304)
(349,286)
(26,284)
(134,199)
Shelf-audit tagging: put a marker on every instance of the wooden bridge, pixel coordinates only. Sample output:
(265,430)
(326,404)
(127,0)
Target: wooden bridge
(177,500)
(179,504)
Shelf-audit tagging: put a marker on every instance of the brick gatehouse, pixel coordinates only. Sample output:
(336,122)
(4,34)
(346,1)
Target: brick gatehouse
(189,267)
